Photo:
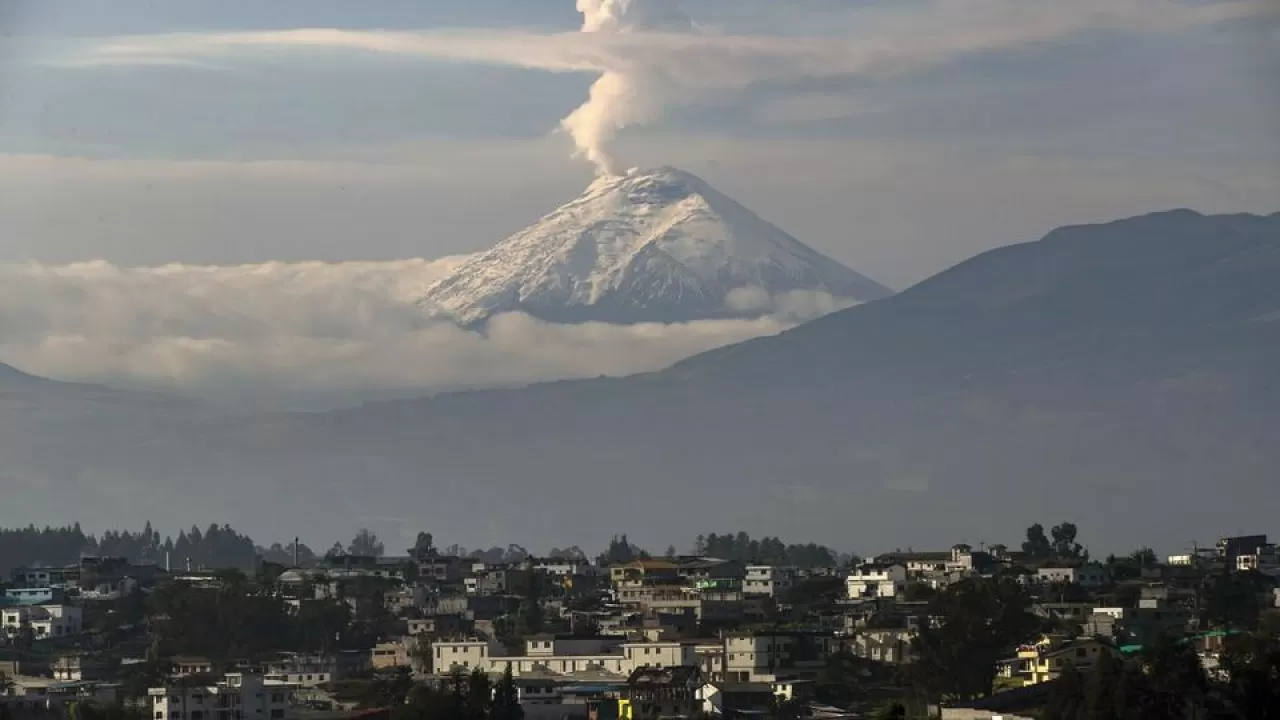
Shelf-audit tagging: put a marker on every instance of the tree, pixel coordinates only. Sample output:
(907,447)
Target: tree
(1067,696)
(670,554)
(423,545)
(1102,691)
(1065,546)
(1251,664)
(420,653)
(1037,546)
(977,622)
(366,543)
(479,695)
(506,701)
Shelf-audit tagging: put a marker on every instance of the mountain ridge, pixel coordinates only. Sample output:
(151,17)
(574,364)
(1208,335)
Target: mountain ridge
(1134,395)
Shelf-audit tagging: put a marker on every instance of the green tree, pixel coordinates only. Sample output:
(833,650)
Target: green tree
(1102,691)
(1251,664)
(1067,696)
(366,543)
(978,621)
(420,654)
(506,700)
(479,695)
(1037,545)
(1064,542)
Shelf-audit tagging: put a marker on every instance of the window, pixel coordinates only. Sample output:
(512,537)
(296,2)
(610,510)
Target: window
(175,714)
(197,715)
(159,715)
(277,713)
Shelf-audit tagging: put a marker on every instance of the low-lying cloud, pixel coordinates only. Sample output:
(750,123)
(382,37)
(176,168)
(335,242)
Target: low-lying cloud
(311,334)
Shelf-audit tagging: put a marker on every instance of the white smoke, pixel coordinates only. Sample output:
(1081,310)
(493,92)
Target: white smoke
(291,332)
(650,55)
(619,97)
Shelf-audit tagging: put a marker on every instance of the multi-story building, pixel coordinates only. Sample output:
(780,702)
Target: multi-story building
(770,580)
(238,696)
(876,581)
(767,656)
(43,621)
(1089,575)
(1048,657)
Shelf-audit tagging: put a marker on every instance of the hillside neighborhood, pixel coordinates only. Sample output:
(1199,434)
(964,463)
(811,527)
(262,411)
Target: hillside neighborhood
(737,627)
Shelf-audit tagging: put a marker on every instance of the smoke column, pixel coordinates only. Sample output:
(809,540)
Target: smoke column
(619,98)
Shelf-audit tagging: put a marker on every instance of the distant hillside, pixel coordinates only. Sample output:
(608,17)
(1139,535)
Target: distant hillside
(1122,376)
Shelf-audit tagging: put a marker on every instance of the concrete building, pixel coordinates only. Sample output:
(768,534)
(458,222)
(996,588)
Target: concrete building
(769,580)
(43,621)
(1089,575)
(876,581)
(238,696)
(770,656)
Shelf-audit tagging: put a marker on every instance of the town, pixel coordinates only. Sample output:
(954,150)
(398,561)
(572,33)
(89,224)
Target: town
(212,627)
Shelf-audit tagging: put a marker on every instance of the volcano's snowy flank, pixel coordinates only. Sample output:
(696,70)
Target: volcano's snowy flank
(648,246)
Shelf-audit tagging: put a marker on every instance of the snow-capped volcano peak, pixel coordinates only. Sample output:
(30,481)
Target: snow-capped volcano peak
(651,245)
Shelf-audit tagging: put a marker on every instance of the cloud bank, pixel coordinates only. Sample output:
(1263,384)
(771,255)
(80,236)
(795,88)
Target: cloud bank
(650,55)
(281,332)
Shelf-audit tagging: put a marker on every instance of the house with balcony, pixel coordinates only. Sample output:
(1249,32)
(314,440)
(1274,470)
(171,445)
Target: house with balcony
(876,581)
(1048,657)
(237,696)
(768,580)
(654,693)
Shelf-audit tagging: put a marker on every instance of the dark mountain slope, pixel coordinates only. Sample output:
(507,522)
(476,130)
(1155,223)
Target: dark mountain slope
(1122,376)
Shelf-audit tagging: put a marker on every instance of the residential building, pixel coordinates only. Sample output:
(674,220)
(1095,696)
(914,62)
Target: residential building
(876,581)
(1048,657)
(1138,625)
(238,696)
(390,654)
(654,693)
(566,567)
(1089,575)
(464,654)
(725,699)
(82,667)
(187,665)
(887,645)
(1263,559)
(769,655)
(44,621)
(768,580)
(1230,548)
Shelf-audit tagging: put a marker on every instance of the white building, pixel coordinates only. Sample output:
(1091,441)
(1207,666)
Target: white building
(564,567)
(545,655)
(769,580)
(45,621)
(1090,575)
(239,696)
(464,655)
(876,581)
(1265,559)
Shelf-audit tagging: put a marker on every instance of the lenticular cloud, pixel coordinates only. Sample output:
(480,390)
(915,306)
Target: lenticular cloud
(298,328)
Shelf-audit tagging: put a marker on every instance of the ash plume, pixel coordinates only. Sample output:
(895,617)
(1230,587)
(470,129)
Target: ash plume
(622,95)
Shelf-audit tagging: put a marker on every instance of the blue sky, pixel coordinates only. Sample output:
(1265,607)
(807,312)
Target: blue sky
(948,141)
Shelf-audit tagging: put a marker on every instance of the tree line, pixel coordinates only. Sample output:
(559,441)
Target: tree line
(765,551)
(224,547)
(53,546)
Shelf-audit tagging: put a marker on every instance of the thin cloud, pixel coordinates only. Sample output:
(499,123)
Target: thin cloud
(650,55)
